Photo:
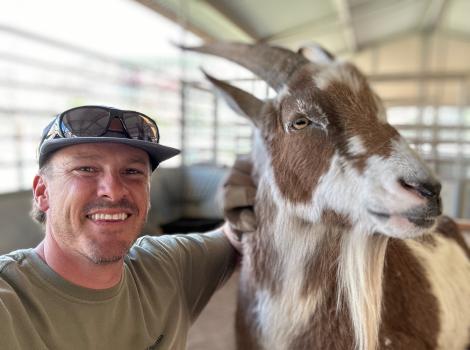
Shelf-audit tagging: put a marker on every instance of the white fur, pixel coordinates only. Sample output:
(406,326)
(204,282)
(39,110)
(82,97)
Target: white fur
(283,93)
(339,190)
(315,54)
(381,178)
(360,277)
(347,192)
(356,146)
(276,312)
(336,72)
(283,314)
(361,287)
(448,270)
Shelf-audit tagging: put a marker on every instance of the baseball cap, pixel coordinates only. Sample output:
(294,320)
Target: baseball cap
(101,124)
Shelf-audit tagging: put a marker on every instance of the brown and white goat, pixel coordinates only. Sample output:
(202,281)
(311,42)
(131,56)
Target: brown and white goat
(350,252)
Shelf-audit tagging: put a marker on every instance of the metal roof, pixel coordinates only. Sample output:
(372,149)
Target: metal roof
(344,26)
(414,51)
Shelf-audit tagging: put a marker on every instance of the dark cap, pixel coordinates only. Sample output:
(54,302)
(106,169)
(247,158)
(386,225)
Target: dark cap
(157,153)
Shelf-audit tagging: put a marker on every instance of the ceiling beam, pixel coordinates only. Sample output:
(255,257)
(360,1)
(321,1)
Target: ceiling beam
(393,77)
(455,34)
(313,28)
(433,15)
(245,27)
(208,7)
(330,23)
(199,17)
(345,18)
(174,17)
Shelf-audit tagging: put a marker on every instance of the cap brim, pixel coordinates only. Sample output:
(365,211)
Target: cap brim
(157,153)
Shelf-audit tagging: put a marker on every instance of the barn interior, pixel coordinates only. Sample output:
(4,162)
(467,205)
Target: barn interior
(54,56)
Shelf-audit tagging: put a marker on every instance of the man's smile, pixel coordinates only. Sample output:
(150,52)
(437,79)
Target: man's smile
(108,217)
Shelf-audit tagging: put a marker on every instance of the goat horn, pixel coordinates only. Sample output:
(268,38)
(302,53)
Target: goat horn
(275,65)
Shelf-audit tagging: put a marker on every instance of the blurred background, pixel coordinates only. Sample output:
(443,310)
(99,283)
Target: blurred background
(58,54)
(55,55)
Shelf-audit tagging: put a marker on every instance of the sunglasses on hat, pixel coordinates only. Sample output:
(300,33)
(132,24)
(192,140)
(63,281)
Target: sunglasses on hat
(96,121)
(92,124)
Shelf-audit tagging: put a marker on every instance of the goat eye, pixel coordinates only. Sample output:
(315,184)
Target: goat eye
(300,123)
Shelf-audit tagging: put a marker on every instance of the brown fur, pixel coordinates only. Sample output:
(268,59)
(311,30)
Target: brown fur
(329,328)
(320,274)
(409,316)
(297,174)
(323,267)
(261,249)
(296,170)
(348,114)
(355,114)
(410,311)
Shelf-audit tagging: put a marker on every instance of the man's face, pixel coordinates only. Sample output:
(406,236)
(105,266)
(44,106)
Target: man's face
(96,199)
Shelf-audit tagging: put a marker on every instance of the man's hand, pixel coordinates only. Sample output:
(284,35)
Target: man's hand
(239,198)
(232,237)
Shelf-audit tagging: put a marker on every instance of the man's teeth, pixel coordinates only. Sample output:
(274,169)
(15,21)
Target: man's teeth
(116,217)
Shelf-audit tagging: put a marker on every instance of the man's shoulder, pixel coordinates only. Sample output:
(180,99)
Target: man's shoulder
(168,243)
(150,243)
(169,247)
(161,243)
(15,258)
(162,247)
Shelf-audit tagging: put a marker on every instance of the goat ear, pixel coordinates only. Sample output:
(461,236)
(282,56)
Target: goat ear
(316,54)
(240,101)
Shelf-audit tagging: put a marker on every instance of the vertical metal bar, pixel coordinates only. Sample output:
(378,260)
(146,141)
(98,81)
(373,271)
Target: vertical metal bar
(215,129)
(18,161)
(461,163)
(183,96)
(440,91)
(422,91)
(435,137)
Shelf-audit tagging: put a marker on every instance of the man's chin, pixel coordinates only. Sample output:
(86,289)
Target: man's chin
(107,260)
(108,255)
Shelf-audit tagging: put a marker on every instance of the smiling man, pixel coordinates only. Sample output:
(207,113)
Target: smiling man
(92,283)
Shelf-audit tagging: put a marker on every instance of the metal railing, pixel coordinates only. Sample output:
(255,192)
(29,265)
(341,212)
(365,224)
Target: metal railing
(40,77)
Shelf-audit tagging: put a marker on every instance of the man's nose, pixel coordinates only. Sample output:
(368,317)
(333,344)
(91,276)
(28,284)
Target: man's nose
(112,186)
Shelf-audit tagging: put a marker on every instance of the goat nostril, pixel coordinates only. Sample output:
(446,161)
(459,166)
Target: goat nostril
(406,185)
(425,189)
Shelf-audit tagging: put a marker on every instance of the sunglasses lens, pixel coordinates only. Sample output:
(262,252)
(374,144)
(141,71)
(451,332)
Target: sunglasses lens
(85,122)
(140,127)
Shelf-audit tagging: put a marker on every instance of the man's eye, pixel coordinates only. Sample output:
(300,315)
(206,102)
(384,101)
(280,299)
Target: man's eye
(86,169)
(132,171)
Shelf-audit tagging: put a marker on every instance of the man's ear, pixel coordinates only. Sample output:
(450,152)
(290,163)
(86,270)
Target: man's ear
(41,196)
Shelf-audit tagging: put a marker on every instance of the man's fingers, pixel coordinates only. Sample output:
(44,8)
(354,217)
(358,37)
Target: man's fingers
(243,220)
(238,196)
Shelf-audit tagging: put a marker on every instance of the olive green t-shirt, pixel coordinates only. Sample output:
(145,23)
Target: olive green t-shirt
(167,280)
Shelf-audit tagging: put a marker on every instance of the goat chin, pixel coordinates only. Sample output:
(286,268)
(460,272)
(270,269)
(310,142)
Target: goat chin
(401,227)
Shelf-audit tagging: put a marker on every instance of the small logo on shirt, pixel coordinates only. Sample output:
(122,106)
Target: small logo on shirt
(157,342)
